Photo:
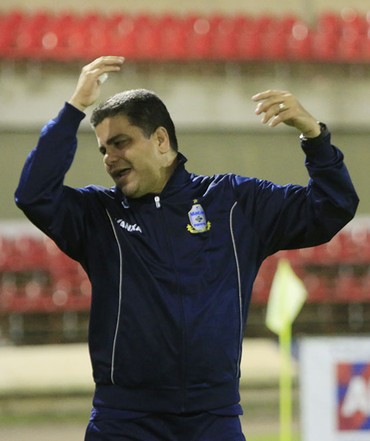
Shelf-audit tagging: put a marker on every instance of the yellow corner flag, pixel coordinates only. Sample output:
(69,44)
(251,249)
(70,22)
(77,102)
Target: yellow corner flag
(286,299)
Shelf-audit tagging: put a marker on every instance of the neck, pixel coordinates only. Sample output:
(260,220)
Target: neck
(168,170)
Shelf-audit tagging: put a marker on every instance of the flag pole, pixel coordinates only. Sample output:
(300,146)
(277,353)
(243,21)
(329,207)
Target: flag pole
(287,296)
(286,407)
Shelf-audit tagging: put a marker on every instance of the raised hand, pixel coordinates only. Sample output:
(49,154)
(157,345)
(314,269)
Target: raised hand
(91,78)
(279,106)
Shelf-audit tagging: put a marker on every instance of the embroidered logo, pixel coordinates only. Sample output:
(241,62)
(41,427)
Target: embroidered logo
(197,218)
(129,227)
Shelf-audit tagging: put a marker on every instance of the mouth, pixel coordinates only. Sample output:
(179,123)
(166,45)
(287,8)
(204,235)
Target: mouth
(118,174)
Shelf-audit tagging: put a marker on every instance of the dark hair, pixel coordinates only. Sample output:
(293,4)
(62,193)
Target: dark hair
(142,108)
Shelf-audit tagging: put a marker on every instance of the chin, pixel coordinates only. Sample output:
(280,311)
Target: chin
(129,192)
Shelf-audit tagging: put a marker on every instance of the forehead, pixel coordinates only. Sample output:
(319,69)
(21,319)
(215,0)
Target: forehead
(114,126)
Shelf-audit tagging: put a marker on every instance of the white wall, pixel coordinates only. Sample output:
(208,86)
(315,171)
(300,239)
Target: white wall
(303,7)
(197,96)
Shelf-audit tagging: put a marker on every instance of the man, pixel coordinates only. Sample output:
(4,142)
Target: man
(172,256)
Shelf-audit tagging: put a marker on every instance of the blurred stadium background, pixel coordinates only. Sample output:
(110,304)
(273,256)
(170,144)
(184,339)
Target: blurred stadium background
(205,59)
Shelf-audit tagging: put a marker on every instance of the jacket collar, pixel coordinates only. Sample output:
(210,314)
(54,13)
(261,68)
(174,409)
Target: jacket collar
(177,180)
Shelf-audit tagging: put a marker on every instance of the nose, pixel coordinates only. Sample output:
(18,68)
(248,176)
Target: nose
(109,158)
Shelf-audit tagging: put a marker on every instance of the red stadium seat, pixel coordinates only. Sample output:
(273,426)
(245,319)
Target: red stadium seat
(226,38)
(275,45)
(57,37)
(353,32)
(23,253)
(10,24)
(329,22)
(148,37)
(88,37)
(350,49)
(318,288)
(325,46)
(349,288)
(261,290)
(28,40)
(276,37)
(262,284)
(250,44)
(353,23)
(326,37)
(123,37)
(200,36)
(173,38)
(67,36)
(299,42)
(365,292)
(365,47)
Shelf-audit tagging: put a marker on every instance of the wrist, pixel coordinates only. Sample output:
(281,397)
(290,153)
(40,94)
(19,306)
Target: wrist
(319,130)
(313,132)
(73,102)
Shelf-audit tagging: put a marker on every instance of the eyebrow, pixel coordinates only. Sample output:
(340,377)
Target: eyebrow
(113,139)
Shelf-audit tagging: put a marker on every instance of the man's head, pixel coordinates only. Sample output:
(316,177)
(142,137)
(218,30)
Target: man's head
(142,108)
(137,139)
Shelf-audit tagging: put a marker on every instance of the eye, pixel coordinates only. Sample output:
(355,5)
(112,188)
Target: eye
(120,144)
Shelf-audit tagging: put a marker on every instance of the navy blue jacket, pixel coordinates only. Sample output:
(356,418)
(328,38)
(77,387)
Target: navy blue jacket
(172,274)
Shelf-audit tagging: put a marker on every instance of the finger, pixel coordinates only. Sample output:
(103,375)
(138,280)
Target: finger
(277,120)
(274,121)
(99,69)
(107,60)
(104,65)
(273,111)
(282,107)
(270,109)
(265,94)
(276,104)
(286,116)
(270,99)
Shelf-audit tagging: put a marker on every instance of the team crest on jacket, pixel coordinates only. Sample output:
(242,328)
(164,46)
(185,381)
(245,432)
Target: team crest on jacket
(198,220)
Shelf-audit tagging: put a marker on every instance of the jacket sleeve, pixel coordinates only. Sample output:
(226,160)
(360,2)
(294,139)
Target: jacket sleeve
(293,216)
(41,194)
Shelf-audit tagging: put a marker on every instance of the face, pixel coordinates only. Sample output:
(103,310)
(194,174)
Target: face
(137,164)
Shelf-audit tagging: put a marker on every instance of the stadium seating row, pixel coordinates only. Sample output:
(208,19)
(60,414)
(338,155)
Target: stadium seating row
(69,36)
(35,276)
(336,272)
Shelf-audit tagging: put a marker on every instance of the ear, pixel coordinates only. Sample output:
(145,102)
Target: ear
(162,140)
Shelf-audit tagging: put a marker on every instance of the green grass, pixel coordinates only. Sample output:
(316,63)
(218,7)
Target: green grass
(49,409)
(37,419)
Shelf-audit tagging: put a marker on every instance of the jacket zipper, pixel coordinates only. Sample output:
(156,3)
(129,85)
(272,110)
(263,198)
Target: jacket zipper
(157,201)
(158,205)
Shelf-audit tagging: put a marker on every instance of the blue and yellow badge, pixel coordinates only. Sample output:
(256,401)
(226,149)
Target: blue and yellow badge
(197,218)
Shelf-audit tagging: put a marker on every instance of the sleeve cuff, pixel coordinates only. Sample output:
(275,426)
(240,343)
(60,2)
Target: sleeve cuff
(319,150)
(73,110)
(70,116)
